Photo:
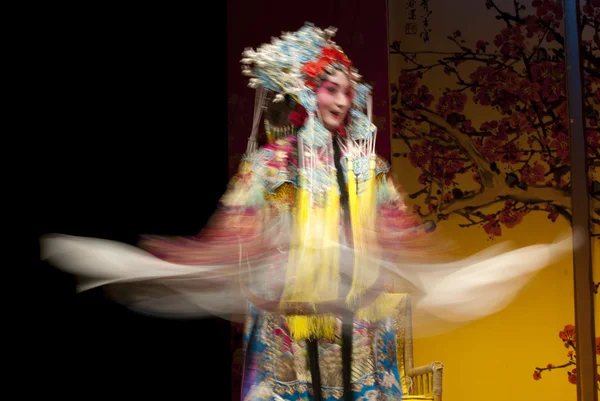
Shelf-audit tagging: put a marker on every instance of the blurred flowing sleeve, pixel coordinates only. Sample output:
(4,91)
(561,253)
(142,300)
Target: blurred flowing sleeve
(448,290)
(206,273)
(241,250)
(232,232)
(399,229)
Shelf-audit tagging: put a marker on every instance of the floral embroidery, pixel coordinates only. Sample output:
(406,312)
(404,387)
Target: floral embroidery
(277,362)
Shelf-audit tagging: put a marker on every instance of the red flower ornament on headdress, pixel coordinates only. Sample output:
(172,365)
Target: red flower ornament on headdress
(297,118)
(329,56)
(313,69)
(335,55)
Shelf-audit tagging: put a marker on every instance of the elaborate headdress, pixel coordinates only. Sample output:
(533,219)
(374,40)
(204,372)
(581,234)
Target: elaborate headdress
(292,66)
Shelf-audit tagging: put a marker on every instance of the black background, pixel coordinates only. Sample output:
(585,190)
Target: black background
(129,124)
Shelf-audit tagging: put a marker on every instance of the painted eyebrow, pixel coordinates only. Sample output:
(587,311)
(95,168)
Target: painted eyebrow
(335,84)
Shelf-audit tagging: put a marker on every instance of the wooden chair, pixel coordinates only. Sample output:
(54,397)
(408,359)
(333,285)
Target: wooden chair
(418,383)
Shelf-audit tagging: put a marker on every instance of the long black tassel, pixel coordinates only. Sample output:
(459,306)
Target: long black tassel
(347,325)
(348,316)
(315,371)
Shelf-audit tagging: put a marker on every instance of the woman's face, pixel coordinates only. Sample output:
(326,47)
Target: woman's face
(334,98)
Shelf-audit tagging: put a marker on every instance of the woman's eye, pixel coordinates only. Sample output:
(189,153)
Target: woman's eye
(331,90)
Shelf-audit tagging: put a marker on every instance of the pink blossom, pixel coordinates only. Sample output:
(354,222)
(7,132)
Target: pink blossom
(532,175)
(512,153)
(553,215)
(529,92)
(407,82)
(452,102)
(593,142)
(561,144)
(492,227)
(424,96)
(483,76)
(492,150)
(420,154)
(511,217)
